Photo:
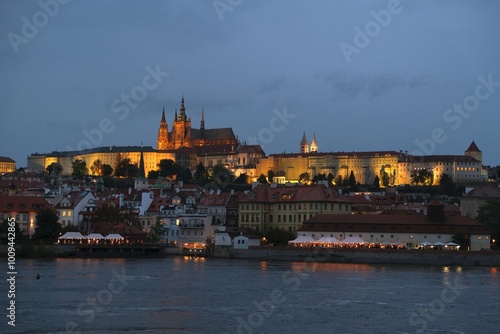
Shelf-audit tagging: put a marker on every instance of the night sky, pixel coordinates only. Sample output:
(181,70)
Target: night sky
(421,76)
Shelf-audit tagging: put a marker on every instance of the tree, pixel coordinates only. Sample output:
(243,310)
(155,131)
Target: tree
(385,179)
(156,232)
(422,176)
(107,214)
(96,168)
(125,168)
(279,237)
(489,215)
(55,168)
(169,168)
(270,176)
(221,175)
(79,168)
(4,231)
(107,170)
(330,177)
(352,180)
(460,239)
(305,178)
(47,225)
(318,177)
(242,179)
(185,175)
(447,185)
(376,183)
(201,174)
(153,174)
(262,179)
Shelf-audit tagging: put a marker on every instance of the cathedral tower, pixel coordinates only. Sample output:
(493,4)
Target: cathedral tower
(162,143)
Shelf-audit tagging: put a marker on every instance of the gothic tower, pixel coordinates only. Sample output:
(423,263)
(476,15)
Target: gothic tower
(162,143)
(181,128)
(304,144)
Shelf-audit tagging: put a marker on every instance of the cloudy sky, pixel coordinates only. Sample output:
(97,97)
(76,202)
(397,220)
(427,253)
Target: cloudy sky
(421,76)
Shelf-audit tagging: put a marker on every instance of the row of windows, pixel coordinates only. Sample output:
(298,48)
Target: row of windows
(381,236)
(298,206)
(18,217)
(188,232)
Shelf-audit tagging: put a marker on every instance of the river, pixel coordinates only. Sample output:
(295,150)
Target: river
(197,295)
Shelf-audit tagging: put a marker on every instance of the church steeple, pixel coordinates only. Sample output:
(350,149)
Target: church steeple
(162,142)
(304,144)
(202,124)
(182,114)
(314,144)
(142,172)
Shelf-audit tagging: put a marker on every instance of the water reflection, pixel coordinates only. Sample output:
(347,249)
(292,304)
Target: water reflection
(263,266)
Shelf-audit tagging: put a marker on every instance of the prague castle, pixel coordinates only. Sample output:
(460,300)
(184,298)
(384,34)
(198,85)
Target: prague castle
(190,146)
(183,135)
(186,145)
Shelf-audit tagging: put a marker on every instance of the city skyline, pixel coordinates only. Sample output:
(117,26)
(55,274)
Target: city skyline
(421,77)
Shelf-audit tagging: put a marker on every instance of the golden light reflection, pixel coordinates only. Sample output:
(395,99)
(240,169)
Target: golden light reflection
(188,258)
(446,269)
(263,266)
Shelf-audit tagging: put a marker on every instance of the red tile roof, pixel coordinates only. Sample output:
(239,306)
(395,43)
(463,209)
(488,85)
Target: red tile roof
(396,223)
(473,148)
(23,204)
(490,192)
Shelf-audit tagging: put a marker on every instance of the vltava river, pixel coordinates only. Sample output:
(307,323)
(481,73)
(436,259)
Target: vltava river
(196,295)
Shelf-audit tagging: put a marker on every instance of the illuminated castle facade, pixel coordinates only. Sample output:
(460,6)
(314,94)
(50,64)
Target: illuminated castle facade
(183,135)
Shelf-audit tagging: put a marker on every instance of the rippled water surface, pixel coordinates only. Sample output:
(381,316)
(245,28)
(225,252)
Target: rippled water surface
(196,295)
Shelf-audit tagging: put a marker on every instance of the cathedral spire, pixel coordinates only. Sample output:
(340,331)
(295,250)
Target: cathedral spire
(162,142)
(182,109)
(202,125)
(142,172)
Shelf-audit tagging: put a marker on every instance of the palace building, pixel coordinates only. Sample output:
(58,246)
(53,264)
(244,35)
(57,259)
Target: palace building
(391,167)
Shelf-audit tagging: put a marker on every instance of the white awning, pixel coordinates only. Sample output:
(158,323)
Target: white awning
(302,239)
(114,236)
(353,240)
(95,236)
(329,240)
(72,235)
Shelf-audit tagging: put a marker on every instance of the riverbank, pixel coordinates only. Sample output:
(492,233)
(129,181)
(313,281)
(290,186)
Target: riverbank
(270,253)
(365,256)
